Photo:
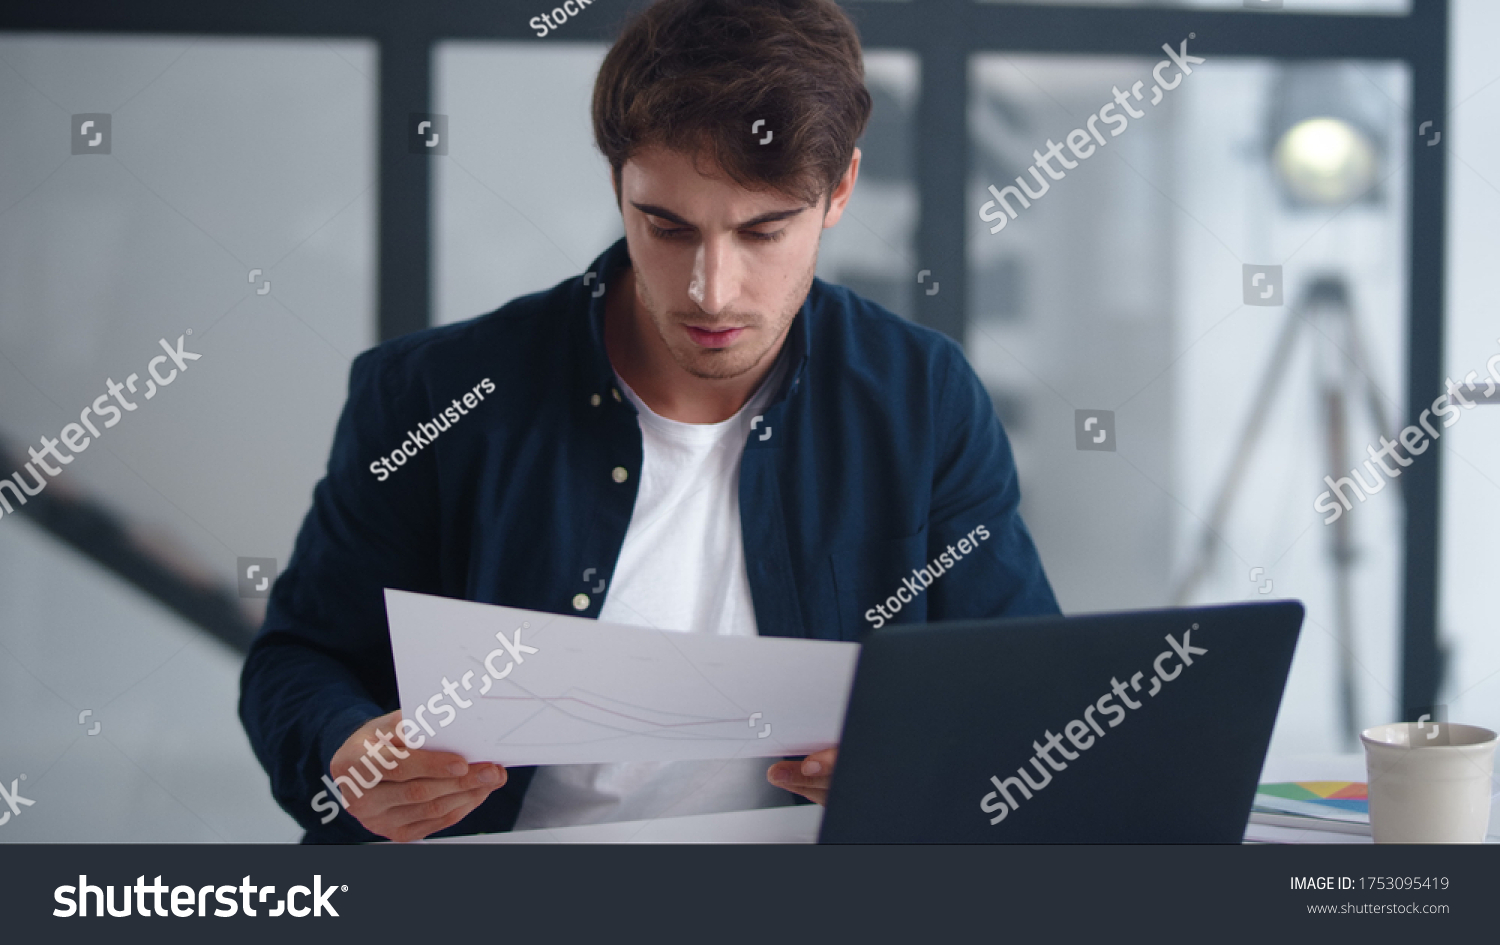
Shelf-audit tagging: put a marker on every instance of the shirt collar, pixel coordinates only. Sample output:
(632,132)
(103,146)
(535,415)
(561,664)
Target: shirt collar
(601,375)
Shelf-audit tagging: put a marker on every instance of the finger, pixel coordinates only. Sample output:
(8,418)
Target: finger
(784,774)
(372,730)
(788,774)
(419,820)
(816,796)
(436,808)
(820,762)
(390,720)
(386,797)
(424,763)
(354,748)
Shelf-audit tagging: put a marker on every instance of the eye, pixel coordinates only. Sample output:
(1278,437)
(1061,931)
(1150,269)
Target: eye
(665,233)
(765,237)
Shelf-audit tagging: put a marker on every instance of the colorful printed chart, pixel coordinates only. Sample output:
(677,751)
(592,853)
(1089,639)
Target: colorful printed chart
(1325,798)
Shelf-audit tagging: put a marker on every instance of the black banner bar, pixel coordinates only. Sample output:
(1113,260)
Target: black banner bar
(714,893)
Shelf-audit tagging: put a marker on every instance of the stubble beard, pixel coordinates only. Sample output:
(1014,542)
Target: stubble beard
(719,364)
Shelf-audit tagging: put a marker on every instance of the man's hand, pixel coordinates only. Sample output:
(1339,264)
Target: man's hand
(809,777)
(421,793)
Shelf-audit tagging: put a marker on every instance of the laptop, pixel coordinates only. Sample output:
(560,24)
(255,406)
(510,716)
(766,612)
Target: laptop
(1140,727)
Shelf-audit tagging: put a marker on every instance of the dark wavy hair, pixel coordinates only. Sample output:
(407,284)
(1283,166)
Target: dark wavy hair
(695,75)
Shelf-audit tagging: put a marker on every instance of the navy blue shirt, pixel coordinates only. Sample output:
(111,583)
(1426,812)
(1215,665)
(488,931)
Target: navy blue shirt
(880,455)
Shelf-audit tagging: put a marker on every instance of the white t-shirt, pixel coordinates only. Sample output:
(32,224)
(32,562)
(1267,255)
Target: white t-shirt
(681,568)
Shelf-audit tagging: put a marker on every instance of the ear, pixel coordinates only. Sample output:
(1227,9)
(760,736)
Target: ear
(840,196)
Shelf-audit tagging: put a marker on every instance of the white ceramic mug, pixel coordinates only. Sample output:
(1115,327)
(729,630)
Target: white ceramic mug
(1421,792)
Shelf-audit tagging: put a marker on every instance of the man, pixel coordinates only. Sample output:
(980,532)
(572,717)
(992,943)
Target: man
(716,443)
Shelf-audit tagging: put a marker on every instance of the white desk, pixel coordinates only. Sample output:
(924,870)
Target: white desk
(800,824)
(772,825)
(1322,767)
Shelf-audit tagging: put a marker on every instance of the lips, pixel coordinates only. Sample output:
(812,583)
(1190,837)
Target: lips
(706,338)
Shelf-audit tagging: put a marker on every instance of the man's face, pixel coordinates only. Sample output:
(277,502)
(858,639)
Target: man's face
(721,271)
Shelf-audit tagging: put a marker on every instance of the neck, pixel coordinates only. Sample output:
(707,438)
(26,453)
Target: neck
(640,356)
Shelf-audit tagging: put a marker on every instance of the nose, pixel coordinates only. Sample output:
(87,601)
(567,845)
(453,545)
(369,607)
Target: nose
(715,279)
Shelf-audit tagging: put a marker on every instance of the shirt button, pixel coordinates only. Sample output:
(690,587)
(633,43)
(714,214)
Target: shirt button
(620,474)
(594,400)
(580,602)
(616,392)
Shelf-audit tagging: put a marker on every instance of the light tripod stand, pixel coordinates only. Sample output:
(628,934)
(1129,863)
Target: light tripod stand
(1326,313)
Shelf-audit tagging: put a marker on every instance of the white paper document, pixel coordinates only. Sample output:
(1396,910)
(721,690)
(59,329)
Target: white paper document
(520,687)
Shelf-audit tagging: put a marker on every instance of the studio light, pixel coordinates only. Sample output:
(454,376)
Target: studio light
(1325,136)
(1325,161)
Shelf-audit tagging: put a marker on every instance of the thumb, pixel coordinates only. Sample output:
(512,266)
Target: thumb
(390,722)
(819,762)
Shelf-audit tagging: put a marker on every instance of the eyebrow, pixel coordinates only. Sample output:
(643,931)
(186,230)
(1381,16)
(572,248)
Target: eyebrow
(772,217)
